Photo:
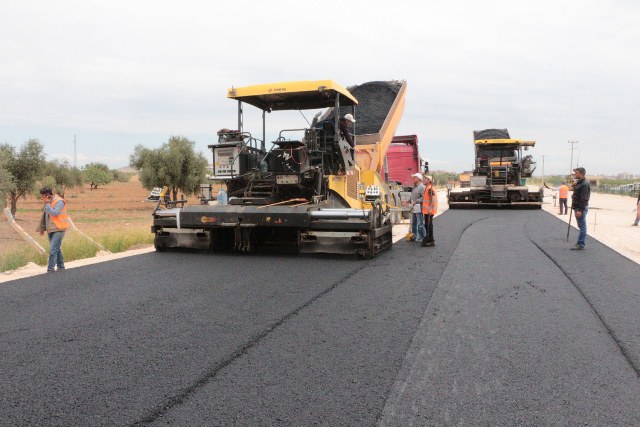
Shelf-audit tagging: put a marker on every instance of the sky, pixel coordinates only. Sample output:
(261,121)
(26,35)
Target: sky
(116,74)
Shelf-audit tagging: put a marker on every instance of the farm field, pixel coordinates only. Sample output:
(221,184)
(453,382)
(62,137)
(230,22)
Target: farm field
(116,216)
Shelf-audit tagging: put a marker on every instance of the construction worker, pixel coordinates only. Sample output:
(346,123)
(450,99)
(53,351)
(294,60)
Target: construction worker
(417,219)
(580,204)
(563,195)
(635,223)
(429,209)
(54,221)
(345,124)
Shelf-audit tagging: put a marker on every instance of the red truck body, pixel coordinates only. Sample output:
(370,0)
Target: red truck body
(403,160)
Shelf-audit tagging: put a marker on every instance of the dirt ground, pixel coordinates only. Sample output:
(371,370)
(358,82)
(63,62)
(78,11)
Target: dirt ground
(609,220)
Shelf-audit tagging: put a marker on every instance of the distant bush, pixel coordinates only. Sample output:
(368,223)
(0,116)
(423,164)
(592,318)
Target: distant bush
(121,176)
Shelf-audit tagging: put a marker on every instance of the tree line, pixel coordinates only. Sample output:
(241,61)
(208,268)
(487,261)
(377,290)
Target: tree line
(24,169)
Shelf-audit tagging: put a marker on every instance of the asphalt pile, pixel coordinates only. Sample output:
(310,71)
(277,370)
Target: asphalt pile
(490,134)
(374,102)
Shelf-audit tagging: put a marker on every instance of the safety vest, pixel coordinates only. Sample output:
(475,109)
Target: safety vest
(62,220)
(564,192)
(430,207)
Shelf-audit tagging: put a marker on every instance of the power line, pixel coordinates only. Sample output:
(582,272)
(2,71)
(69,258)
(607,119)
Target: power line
(572,148)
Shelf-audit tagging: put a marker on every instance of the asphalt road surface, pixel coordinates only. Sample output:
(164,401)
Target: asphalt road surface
(498,324)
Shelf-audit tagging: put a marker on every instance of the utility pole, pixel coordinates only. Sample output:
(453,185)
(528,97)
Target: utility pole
(75,152)
(572,148)
(543,156)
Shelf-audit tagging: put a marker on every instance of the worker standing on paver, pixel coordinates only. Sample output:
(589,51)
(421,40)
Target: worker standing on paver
(563,195)
(345,128)
(580,204)
(54,221)
(429,209)
(635,223)
(417,219)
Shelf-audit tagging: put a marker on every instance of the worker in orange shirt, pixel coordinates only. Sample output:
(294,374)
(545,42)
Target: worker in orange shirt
(563,195)
(429,209)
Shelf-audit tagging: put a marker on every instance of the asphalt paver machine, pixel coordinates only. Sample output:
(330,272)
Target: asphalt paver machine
(311,191)
(498,179)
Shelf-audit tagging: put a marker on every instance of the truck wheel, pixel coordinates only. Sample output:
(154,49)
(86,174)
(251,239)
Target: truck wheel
(159,244)
(221,240)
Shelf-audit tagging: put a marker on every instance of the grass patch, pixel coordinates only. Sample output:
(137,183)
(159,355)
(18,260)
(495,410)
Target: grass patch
(74,247)
(119,242)
(20,258)
(100,220)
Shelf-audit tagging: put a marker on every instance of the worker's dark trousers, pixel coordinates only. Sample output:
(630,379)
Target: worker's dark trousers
(428,225)
(563,202)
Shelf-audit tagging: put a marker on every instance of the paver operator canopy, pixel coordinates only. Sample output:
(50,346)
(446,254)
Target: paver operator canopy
(289,96)
(300,95)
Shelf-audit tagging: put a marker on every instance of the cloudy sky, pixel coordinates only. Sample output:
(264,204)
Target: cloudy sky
(122,73)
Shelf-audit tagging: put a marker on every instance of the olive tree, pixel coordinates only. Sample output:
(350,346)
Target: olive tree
(97,174)
(175,164)
(62,175)
(26,166)
(6,179)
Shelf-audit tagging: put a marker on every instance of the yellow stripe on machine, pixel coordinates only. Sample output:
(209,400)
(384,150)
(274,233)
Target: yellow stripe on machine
(505,141)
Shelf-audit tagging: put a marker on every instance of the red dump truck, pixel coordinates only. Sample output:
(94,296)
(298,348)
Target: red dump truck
(403,160)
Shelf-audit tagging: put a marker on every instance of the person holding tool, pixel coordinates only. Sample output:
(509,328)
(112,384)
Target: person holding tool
(429,209)
(54,221)
(417,220)
(580,204)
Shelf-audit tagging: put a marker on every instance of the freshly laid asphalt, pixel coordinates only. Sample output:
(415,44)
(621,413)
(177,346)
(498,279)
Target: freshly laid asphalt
(498,324)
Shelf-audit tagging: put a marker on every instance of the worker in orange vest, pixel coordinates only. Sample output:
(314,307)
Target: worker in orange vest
(563,195)
(429,209)
(54,221)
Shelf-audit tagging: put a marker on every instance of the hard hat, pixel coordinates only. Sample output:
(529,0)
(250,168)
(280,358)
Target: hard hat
(350,118)
(417,175)
(429,177)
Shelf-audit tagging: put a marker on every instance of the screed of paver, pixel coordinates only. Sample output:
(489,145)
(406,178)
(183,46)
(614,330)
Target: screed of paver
(507,339)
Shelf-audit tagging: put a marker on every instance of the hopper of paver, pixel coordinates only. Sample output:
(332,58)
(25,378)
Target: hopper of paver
(380,108)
